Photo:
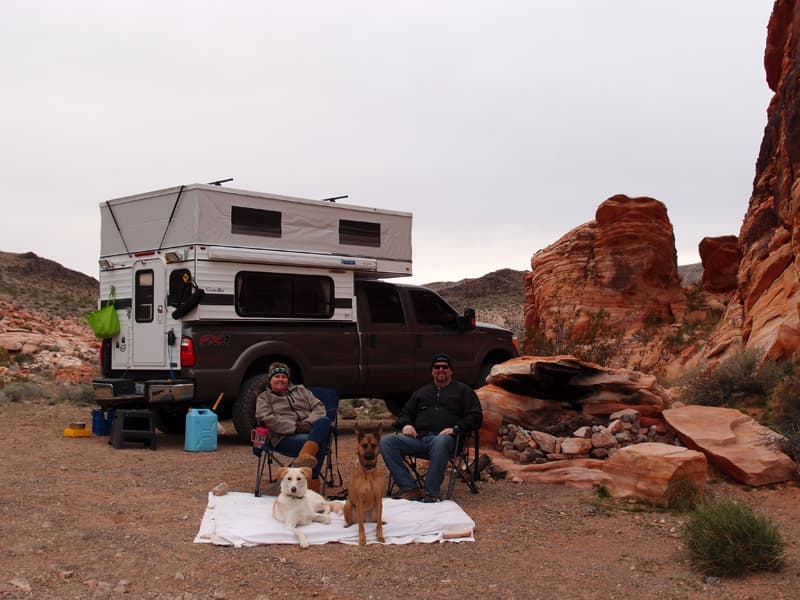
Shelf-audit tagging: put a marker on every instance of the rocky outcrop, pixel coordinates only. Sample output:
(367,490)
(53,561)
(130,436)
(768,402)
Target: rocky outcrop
(623,263)
(720,257)
(534,392)
(764,312)
(617,272)
(733,442)
(40,346)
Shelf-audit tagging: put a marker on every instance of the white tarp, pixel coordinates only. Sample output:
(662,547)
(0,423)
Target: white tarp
(240,519)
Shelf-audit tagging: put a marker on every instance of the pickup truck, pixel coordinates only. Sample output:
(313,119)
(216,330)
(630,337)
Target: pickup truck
(384,354)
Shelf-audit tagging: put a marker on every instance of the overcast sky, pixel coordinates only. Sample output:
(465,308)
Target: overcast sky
(500,125)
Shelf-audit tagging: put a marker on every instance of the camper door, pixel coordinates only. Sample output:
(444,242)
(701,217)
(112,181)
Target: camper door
(149,339)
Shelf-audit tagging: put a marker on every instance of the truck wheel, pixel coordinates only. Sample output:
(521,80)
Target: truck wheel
(244,408)
(486,368)
(171,420)
(395,404)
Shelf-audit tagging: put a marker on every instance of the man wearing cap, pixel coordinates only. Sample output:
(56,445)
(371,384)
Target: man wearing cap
(428,425)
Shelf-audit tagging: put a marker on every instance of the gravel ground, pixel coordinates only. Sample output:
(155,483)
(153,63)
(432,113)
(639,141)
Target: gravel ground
(79,519)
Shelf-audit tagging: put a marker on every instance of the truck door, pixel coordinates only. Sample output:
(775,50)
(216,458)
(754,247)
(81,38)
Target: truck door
(436,330)
(386,346)
(148,340)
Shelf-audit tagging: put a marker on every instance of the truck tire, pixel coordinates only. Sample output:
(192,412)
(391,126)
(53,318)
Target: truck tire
(395,404)
(244,408)
(486,368)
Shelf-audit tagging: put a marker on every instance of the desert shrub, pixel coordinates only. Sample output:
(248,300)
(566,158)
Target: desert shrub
(76,393)
(599,342)
(727,539)
(682,495)
(742,373)
(19,391)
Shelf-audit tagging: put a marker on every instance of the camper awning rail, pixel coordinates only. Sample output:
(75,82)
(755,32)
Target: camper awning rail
(298,259)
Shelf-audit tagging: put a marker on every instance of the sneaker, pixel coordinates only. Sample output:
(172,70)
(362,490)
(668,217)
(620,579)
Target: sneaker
(429,499)
(409,494)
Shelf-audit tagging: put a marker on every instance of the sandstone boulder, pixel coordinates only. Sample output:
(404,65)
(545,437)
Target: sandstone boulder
(733,442)
(720,257)
(654,472)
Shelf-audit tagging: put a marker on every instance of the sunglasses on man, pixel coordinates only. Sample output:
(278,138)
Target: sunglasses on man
(440,367)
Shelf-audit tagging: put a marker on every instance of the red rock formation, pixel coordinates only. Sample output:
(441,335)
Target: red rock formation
(768,296)
(623,263)
(720,257)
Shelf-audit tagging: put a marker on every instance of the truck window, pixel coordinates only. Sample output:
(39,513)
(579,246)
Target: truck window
(255,221)
(431,309)
(384,304)
(283,295)
(144,294)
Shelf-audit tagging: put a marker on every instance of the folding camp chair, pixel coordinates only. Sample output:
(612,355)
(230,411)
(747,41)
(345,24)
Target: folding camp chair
(267,454)
(462,465)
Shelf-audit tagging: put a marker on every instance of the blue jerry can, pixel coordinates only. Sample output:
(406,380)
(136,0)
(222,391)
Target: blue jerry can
(201,430)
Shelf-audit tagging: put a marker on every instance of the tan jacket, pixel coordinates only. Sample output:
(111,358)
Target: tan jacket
(280,414)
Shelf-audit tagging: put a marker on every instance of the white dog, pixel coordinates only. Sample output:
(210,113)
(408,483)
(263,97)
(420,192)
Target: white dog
(297,505)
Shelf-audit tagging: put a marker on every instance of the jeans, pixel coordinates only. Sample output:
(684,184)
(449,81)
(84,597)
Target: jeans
(320,433)
(436,448)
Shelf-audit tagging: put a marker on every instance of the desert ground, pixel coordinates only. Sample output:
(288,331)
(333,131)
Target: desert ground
(80,519)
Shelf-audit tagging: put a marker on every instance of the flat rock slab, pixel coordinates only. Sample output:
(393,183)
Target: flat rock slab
(654,472)
(733,442)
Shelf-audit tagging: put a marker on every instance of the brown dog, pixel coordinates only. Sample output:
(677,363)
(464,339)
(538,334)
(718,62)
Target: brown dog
(367,484)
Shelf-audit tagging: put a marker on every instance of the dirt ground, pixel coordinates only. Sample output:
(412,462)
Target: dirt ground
(80,519)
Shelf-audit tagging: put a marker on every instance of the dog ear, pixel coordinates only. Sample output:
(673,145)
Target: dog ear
(357,428)
(281,472)
(307,472)
(379,429)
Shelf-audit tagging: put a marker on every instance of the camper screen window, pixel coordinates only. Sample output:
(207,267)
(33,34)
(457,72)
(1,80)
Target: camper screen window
(255,221)
(144,296)
(359,233)
(283,295)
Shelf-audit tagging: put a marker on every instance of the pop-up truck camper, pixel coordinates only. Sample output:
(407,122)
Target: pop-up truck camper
(212,284)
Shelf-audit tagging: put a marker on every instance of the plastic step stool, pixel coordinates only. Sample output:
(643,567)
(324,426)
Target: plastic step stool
(133,425)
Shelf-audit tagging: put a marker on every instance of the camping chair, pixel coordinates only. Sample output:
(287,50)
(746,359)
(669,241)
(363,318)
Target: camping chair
(267,454)
(462,465)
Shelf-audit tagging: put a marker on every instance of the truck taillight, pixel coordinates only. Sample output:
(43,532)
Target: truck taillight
(188,357)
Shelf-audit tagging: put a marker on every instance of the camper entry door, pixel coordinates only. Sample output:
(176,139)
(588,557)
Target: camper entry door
(149,339)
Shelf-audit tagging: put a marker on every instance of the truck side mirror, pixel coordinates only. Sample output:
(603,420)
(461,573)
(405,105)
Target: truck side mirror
(467,322)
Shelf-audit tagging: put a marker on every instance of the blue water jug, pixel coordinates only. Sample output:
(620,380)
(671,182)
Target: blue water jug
(201,430)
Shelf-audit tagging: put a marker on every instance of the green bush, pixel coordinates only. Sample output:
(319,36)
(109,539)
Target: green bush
(727,539)
(682,495)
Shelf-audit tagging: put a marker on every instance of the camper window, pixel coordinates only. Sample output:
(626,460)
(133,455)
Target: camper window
(359,233)
(255,221)
(283,295)
(144,295)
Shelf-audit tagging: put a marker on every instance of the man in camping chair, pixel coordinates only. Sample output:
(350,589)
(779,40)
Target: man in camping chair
(428,425)
(296,420)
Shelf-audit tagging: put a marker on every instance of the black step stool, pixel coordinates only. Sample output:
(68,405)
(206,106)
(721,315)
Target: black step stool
(133,425)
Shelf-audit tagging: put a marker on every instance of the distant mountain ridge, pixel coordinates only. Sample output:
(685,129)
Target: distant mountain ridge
(38,283)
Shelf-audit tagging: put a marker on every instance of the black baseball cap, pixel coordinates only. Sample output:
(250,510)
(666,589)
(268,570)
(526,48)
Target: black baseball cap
(442,357)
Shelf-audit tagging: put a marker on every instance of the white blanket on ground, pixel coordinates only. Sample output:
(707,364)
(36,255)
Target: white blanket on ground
(240,519)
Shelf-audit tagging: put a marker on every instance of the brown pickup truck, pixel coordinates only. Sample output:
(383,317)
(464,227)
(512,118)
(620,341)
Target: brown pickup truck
(384,353)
